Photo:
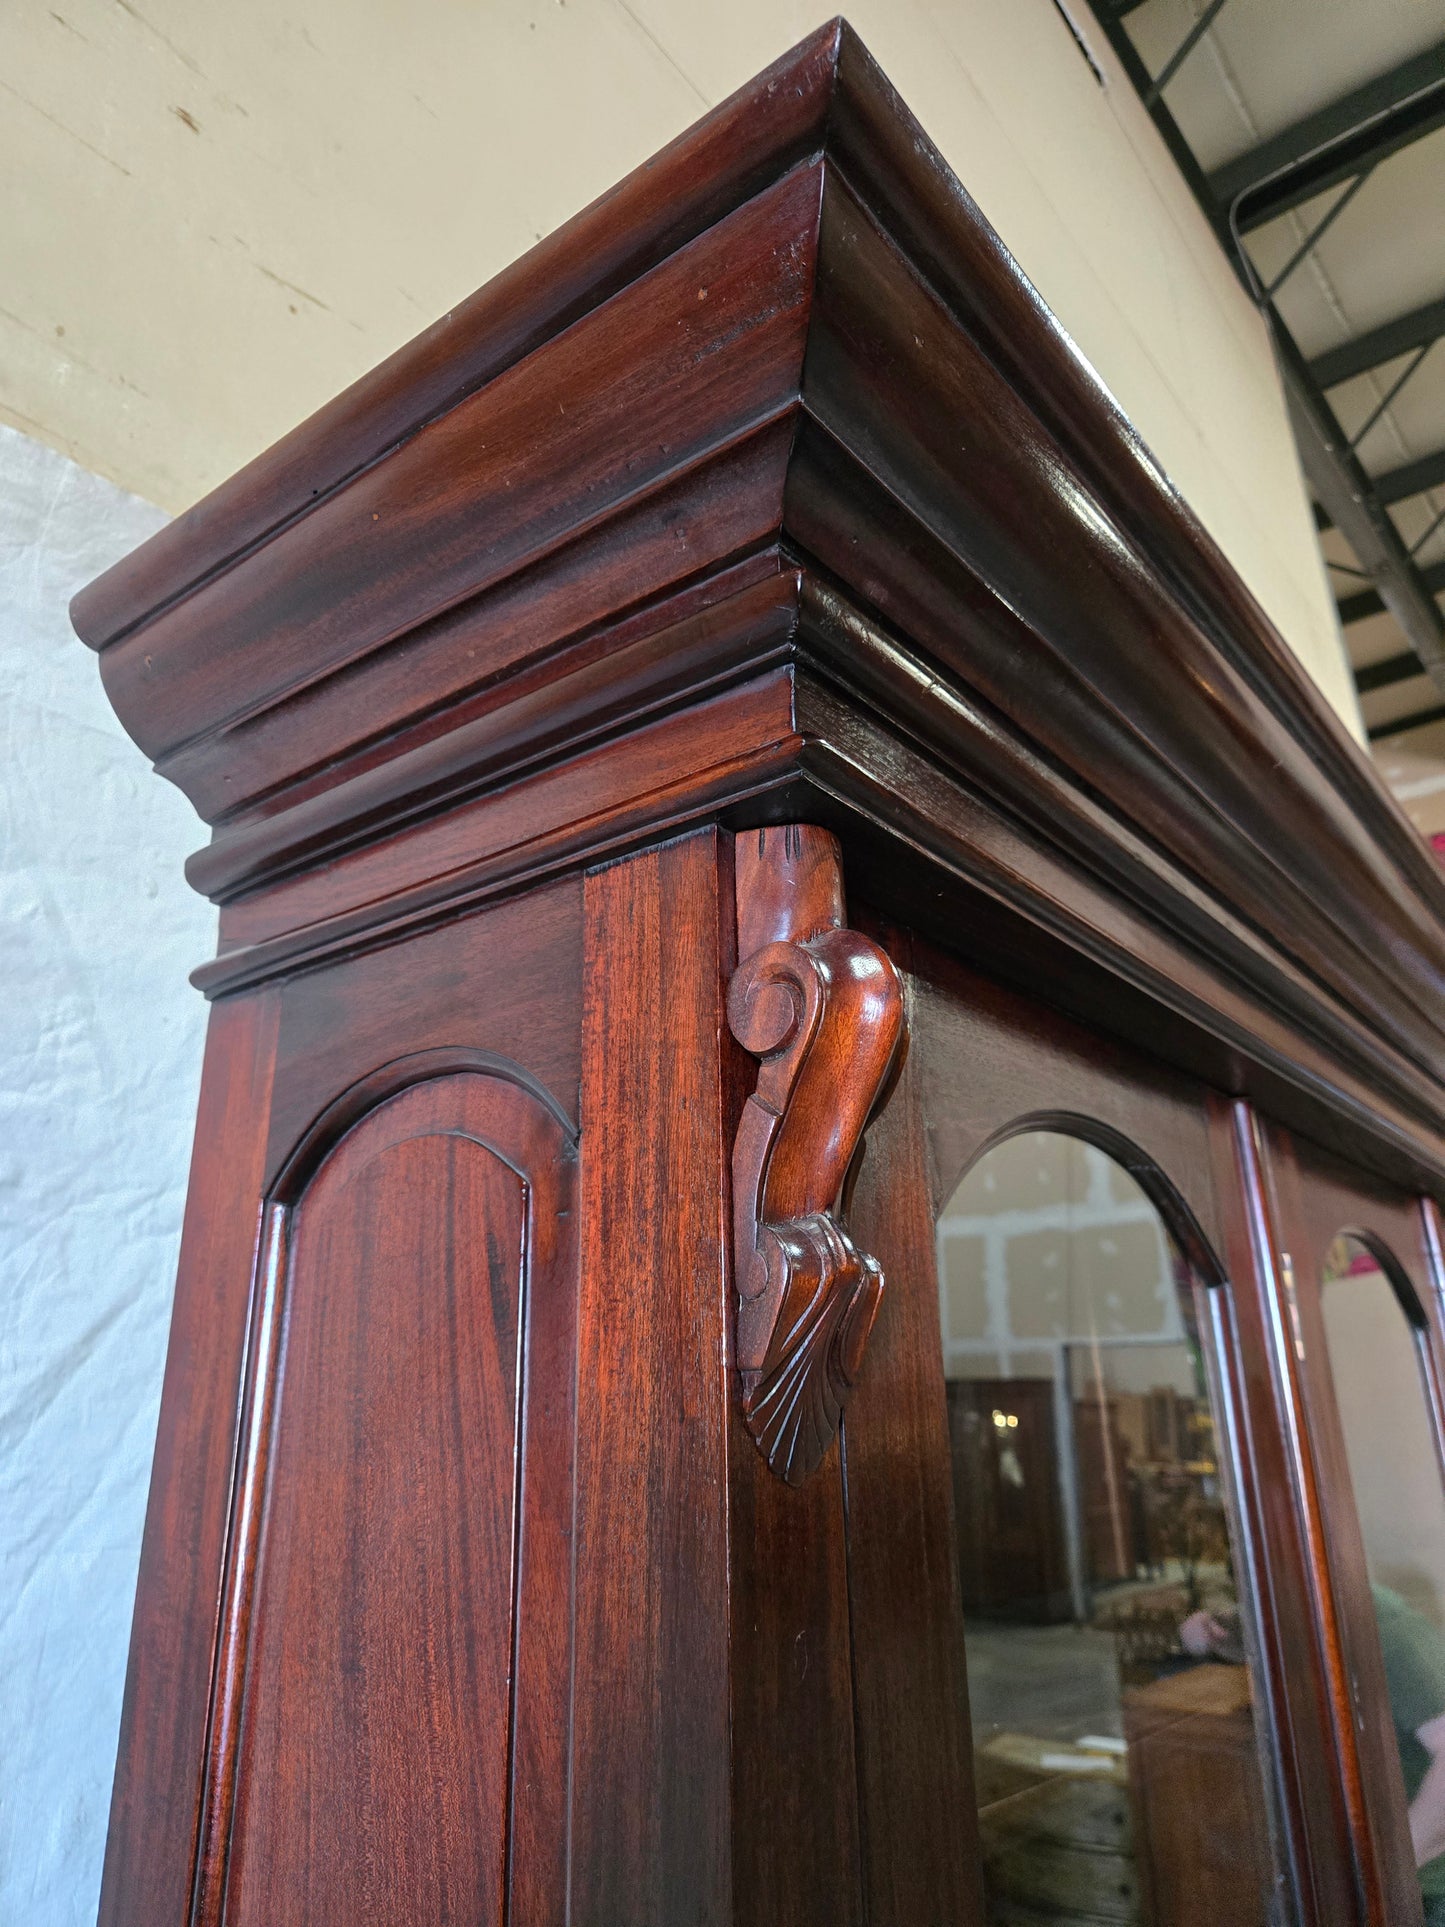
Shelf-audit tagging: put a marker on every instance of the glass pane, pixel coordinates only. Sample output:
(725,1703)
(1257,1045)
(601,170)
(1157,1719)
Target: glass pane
(1376,1365)
(1115,1750)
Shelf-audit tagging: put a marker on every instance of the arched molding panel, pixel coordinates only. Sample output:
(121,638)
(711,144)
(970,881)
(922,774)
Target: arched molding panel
(403,1493)
(1325,1199)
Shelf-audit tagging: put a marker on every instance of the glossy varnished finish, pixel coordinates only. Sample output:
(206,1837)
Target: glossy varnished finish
(787,361)
(365,1769)
(915,1767)
(650,1829)
(1322,1799)
(756,550)
(290,1072)
(1319,1199)
(821,1007)
(995,1063)
(150,1850)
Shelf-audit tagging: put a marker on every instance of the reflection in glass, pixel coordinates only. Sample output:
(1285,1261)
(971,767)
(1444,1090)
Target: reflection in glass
(1116,1758)
(1376,1364)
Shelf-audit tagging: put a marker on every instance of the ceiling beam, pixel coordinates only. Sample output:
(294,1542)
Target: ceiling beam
(1335,143)
(1384,675)
(1345,493)
(1340,485)
(1411,478)
(1396,484)
(1402,723)
(1386,343)
(1357,608)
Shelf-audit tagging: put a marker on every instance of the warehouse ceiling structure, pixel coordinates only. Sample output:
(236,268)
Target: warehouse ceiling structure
(1313,137)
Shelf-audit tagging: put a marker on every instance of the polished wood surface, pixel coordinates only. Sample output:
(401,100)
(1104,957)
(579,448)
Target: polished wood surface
(649,1838)
(783,398)
(1318,1200)
(1335,1860)
(914,1761)
(150,1849)
(821,1007)
(372,1747)
(755,565)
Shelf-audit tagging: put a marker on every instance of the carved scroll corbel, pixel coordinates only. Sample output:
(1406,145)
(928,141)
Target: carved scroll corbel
(821,1007)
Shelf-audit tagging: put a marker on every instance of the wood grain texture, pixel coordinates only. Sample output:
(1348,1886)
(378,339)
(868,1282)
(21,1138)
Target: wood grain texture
(991,1062)
(701,352)
(365,1725)
(1319,1787)
(729,156)
(150,1849)
(821,1007)
(795,1828)
(915,1764)
(480,982)
(1046,919)
(673,773)
(767,493)
(786,365)
(796,1846)
(650,1825)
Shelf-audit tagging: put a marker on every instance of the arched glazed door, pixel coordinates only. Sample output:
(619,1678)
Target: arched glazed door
(1362,1279)
(1100,1399)
(1119,1767)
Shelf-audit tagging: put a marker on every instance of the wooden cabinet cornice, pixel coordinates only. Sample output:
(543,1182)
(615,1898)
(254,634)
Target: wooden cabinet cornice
(774,438)
(764,500)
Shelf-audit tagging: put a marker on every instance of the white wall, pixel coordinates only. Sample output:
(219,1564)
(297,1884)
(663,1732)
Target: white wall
(100,1039)
(1049,1242)
(214,217)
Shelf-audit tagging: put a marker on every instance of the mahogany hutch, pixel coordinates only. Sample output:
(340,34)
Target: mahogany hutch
(735,681)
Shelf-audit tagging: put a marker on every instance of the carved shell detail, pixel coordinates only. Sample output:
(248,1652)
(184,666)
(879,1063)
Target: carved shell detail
(825,1018)
(830,1299)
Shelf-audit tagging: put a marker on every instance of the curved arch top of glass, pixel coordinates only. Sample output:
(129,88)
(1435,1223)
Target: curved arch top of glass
(1117,1757)
(1374,1332)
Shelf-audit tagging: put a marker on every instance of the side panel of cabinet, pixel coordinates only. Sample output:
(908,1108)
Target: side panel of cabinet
(352,1627)
(150,1850)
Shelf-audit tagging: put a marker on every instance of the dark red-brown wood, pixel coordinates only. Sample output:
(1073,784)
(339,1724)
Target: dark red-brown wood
(650,1833)
(821,1007)
(786,360)
(756,549)
(366,1768)
(150,1851)
(915,1764)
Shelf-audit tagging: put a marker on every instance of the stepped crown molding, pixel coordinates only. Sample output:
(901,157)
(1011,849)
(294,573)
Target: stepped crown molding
(775,435)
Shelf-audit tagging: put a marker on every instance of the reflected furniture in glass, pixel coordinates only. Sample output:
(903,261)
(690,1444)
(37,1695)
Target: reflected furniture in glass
(1119,1768)
(719,748)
